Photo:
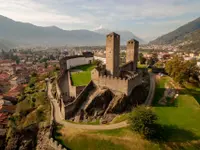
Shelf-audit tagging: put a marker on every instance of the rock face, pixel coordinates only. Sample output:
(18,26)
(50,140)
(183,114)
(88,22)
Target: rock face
(30,138)
(99,103)
(117,105)
(23,140)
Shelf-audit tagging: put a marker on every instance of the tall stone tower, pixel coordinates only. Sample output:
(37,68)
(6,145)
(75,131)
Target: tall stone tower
(132,52)
(112,53)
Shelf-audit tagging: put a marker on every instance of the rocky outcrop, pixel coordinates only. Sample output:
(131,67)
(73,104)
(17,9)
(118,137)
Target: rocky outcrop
(99,103)
(117,105)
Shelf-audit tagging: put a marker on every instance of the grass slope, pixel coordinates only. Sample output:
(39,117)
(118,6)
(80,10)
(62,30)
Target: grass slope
(183,117)
(84,77)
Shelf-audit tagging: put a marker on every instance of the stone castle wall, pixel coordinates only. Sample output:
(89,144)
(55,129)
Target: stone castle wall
(127,67)
(54,144)
(74,91)
(115,83)
(133,82)
(59,96)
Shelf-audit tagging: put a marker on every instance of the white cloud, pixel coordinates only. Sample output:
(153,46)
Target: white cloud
(148,18)
(30,11)
(98,28)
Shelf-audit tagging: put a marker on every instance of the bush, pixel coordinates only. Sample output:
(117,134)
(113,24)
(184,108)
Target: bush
(143,120)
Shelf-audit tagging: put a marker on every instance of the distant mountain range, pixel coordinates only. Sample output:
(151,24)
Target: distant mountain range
(178,34)
(32,35)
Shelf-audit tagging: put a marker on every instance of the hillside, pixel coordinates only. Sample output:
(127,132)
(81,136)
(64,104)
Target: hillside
(190,41)
(6,45)
(124,35)
(29,34)
(179,33)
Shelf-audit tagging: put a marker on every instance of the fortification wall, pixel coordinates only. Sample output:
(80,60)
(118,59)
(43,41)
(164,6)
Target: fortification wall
(113,83)
(72,108)
(54,144)
(133,82)
(72,89)
(59,96)
(127,67)
(77,61)
(45,140)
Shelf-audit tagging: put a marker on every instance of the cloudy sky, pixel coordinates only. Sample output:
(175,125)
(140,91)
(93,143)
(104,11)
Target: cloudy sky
(147,19)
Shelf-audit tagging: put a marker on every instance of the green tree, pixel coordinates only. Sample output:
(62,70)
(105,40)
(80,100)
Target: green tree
(143,120)
(181,70)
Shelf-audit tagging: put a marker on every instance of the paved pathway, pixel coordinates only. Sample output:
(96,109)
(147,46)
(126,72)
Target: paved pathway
(150,96)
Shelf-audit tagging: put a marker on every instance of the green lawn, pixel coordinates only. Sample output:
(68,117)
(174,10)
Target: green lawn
(183,119)
(117,139)
(82,78)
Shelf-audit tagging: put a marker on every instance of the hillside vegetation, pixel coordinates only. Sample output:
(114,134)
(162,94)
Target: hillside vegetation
(190,42)
(179,33)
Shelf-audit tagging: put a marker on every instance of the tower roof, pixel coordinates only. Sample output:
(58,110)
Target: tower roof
(133,40)
(112,33)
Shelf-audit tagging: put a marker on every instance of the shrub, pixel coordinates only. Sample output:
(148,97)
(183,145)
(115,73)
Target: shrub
(143,120)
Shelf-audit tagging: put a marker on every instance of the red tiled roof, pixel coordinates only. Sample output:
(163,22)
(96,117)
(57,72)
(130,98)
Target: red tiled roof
(14,91)
(3,118)
(10,109)
(4,76)
(5,61)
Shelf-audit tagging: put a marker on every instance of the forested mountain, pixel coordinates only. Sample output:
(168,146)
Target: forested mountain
(179,33)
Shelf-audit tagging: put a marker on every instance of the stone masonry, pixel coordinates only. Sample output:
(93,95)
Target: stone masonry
(112,54)
(132,52)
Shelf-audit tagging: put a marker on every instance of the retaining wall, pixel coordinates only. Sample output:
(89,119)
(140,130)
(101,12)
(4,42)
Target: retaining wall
(72,108)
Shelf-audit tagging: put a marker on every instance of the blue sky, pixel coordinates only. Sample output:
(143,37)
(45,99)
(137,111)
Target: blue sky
(147,19)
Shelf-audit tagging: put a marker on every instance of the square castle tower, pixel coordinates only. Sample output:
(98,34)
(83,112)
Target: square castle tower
(118,78)
(112,54)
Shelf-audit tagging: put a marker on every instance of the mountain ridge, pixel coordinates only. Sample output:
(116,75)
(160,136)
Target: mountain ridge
(177,34)
(124,34)
(28,34)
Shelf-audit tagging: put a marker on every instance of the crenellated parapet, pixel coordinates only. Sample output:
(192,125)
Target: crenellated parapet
(54,144)
(116,83)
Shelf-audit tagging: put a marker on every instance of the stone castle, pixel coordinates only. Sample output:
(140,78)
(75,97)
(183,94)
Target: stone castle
(114,77)
(111,89)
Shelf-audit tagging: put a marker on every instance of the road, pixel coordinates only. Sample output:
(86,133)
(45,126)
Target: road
(151,90)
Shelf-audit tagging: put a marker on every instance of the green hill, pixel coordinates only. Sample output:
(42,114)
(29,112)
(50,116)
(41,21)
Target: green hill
(190,42)
(179,33)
